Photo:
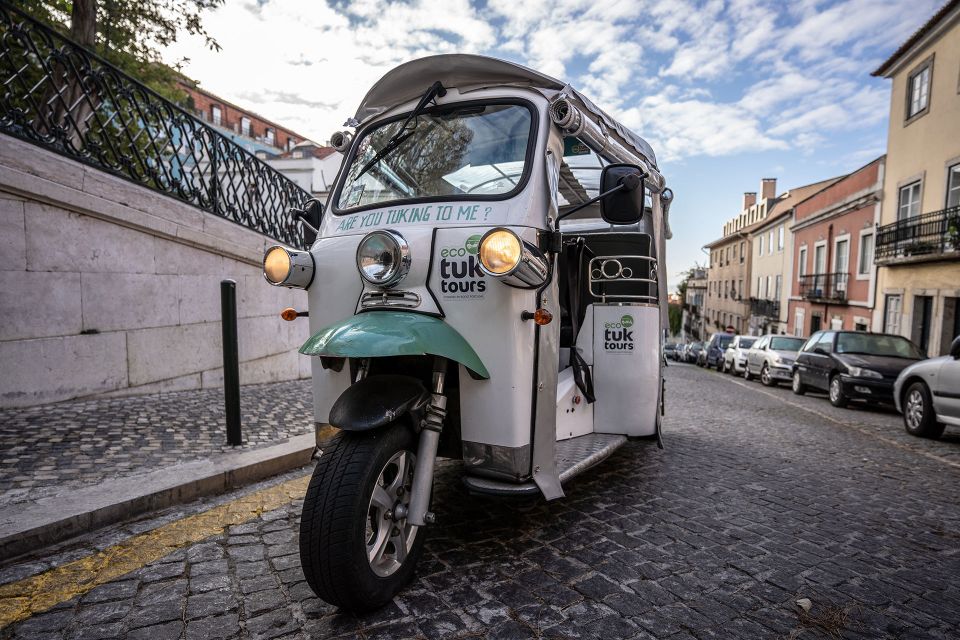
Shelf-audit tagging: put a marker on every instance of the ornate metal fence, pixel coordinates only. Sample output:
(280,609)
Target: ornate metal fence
(59,95)
(921,236)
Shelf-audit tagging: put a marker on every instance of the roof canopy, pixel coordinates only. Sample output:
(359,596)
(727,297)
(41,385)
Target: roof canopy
(409,81)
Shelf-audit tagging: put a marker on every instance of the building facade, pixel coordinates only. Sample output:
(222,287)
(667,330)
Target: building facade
(727,303)
(311,166)
(694,326)
(833,236)
(254,133)
(919,235)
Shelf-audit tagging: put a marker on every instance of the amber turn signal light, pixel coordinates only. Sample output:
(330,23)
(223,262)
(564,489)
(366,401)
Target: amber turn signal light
(540,316)
(290,314)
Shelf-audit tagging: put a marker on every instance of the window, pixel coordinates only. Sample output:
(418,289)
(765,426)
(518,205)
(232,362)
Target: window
(922,322)
(740,289)
(297,154)
(734,251)
(819,259)
(866,255)
(769,289)
(953,186)
(728,255)
(245,127)
(779,287)
(269,136)
(908,202)
(291,143)
(802,263)
(770,243)
(760,251)
(798,322)
(216,114)
(825,342)
(891,314)
(780,238)
(759,287)
(918,90)
(841,256)
(742,254)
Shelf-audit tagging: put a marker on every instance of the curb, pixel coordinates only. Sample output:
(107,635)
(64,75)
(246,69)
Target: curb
(28,526)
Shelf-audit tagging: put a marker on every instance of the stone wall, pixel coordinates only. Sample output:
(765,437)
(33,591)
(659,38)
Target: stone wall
(108,288)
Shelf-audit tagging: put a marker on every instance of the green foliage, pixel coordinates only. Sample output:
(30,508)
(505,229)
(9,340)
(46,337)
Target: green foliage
(130,34)
(675,312)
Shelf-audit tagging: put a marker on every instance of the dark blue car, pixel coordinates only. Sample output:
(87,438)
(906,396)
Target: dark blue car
(715,348)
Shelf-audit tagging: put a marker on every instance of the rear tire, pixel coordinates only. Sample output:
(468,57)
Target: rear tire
(919,418)
(798,387)
(338,532)
(746,373)
(837,398)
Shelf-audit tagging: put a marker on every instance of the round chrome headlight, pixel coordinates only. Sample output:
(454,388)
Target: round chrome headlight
(288,267)
(383,258)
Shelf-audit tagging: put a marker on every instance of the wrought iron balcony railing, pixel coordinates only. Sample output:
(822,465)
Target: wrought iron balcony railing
(921,237)
(767,308)
(59,95)
(828,287)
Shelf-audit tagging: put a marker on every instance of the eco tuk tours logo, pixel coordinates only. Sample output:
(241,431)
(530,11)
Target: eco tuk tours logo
(618,336)
(460,274)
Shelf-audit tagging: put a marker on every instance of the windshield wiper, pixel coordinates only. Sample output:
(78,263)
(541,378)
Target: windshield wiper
(436,90)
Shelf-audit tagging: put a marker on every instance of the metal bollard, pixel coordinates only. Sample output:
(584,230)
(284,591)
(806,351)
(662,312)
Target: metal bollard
(231,360)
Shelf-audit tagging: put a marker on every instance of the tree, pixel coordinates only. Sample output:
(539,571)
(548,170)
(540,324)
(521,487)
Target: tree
(130,34)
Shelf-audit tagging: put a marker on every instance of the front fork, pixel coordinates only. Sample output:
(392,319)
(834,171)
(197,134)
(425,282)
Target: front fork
(430,427)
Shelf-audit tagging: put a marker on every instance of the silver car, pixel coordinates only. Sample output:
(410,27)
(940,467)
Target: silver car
(928,394)
(735,357)
(771,358)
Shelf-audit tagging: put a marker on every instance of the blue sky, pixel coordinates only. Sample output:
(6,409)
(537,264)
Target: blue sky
(727,91)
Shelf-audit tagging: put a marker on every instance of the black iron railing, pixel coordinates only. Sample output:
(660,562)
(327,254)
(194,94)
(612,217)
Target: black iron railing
(768,308)
(926,235)
(57,94)
(830,287)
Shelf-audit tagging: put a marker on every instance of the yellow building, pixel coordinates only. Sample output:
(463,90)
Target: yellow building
(918,241)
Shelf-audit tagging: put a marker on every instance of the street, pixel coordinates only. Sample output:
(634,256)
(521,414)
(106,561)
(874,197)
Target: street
(760,499)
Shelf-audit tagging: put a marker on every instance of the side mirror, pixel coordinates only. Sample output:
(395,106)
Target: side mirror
(624,206)
(819,351)
(955,348)
(309,217)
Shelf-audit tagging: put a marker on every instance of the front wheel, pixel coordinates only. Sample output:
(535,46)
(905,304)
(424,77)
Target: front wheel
(798,387)
(746,373)
(918,415)
(765,376)
(356,547)
(837,397)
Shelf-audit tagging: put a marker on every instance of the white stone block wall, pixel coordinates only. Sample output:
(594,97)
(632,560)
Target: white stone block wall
(107,288)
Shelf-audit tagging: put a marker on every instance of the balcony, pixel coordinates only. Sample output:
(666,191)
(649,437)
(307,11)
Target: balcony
(766,308)
(824,287)
(927,237)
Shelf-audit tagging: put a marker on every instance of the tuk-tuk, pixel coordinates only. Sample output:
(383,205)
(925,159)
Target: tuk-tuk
(486,285)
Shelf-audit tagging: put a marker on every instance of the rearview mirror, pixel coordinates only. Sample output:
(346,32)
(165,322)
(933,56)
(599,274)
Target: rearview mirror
(955,348)
(626,205)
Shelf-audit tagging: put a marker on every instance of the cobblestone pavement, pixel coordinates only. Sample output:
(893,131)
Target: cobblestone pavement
(78,443)
(757,502)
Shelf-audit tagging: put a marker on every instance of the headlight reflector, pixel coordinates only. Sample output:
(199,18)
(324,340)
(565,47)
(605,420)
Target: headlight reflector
(500,252)
(284,267)
(383,258)
(859,372)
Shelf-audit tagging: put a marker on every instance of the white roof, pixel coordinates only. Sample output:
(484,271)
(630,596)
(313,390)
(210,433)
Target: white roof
(410,80)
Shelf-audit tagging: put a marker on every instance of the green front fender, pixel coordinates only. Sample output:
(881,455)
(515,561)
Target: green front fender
(376,334)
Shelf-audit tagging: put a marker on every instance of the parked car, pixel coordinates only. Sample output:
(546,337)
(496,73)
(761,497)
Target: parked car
(692,352)
(735,356)
(670,351)
(715,348)
(771,357)
(928,394)
(678,353)
(853,365)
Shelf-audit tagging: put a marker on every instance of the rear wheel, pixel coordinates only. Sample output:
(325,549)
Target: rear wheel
(356,547)
(837,397)
(919,418)
(798,387)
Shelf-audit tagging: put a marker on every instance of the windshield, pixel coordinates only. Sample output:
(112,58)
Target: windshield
(877,345)
(786,344)
(724,341)
(746,343)
(461,152)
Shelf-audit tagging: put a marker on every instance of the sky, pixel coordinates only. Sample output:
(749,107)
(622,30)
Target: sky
(727,91)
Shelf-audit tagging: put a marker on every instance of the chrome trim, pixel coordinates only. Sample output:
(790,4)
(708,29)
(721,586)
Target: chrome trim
(402,267)
(388,298)
(603,269)
(530,271)
(300,275)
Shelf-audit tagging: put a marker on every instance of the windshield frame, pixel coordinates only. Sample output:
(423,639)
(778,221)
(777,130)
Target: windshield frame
(528,160)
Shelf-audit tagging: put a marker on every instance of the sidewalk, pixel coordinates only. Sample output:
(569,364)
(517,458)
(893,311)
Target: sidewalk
(71,466)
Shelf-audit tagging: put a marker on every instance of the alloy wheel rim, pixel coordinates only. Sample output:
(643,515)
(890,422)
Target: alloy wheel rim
(914,412)
(796,381)
(765,374)
(834,389)
(389,538)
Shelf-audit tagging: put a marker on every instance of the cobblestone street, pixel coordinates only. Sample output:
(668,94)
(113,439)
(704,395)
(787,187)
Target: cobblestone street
(761,498)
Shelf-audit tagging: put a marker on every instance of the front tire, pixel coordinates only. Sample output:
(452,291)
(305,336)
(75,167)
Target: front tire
(837,397)
(746,373)
(919,418)
(798,387)
(355,553)
(765,376)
